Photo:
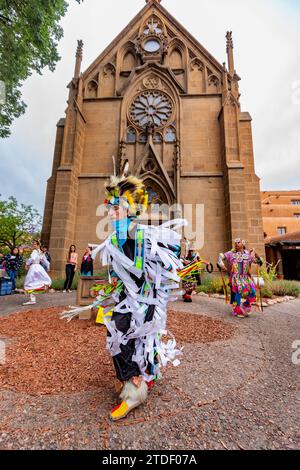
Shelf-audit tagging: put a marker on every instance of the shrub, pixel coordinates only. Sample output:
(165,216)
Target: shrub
(101,273)
(211,285)
(58,283)
(282,288)
(214,285)
(266,291)
(20,282)
(269,272)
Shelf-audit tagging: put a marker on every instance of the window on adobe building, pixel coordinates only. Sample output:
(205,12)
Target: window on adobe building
(281,230)
(295,202)
(297,216)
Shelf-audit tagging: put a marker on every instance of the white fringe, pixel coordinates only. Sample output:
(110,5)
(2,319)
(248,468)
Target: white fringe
(73,312)
(136,394)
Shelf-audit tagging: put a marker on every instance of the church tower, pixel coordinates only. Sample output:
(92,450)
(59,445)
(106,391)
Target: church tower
(156,97)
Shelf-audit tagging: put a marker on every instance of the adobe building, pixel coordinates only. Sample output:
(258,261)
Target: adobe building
(156,97)
(283,251)
(281,212)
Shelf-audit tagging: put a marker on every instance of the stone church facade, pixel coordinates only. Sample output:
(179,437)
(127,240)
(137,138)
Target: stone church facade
(158,98)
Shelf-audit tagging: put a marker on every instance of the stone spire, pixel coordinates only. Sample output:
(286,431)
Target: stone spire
(229,49)
(225,81)
(78,58)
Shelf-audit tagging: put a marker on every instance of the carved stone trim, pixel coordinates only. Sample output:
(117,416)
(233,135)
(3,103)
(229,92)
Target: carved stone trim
(109,68)
(196,64)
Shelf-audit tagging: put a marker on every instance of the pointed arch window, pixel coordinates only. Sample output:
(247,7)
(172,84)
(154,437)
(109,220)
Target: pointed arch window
(142,138)
(158,208)
(170,135)
(131,135)
(92,89)
(157,138)
(128,63)
(154,196)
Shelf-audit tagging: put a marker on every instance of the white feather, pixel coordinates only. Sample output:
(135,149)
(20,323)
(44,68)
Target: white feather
(125,170)
(114,164)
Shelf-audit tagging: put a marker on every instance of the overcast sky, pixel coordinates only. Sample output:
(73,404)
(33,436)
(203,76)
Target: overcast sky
(266,36)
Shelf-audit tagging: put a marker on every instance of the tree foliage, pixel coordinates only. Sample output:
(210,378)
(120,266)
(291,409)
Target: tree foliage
(19,224)
(29,36)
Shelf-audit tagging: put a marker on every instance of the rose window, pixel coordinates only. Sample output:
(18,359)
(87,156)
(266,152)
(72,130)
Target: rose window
(151,108)
(152,45)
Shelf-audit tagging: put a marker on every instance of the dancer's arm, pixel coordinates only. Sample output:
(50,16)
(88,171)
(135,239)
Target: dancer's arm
(256,258)
(221,264)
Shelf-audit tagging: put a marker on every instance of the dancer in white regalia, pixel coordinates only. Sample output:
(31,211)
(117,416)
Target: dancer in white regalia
(37,279)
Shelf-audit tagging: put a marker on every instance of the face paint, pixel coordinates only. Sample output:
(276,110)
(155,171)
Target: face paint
(121,227)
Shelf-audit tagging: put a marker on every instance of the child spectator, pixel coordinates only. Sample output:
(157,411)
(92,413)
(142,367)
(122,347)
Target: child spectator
(87,267)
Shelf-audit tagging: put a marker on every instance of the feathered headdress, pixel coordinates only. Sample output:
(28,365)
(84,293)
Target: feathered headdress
(127,191)
(238,240)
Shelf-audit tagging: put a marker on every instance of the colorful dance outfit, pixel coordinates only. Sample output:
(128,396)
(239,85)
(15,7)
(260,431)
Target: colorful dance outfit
(144,261)
(240,279)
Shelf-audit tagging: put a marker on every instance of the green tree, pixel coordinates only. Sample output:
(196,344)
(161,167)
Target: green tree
(19,224)
(29,36)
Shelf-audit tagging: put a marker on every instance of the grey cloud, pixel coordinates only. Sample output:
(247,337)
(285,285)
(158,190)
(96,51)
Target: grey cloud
(266,57)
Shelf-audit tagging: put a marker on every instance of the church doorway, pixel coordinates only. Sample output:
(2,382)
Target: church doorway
(159,207)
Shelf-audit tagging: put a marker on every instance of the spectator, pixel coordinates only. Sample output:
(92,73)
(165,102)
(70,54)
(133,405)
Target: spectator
(87,267)
(13,262)
(48,257)
(71,267)
(2,266)
(21,250)
(21,258)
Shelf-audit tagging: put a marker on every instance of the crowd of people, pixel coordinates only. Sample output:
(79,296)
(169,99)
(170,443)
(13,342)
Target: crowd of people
(236,263)
(38,267)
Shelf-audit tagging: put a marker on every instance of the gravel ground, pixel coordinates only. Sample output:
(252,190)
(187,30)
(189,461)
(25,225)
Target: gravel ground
(234,392)
(13,303)
(46,355)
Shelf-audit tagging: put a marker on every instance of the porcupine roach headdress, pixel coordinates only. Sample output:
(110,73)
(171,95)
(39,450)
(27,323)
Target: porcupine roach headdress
(127,191)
